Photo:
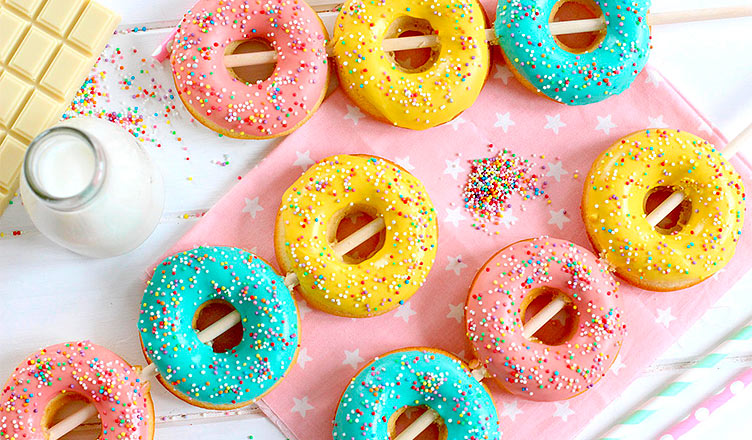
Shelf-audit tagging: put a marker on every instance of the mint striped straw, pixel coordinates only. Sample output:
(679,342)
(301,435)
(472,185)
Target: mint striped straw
(633,424)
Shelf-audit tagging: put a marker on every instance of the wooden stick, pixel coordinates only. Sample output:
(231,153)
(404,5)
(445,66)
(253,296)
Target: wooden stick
(541,318)
(222,325)
(359,237)
(430,415)
(675,199)
(556,28)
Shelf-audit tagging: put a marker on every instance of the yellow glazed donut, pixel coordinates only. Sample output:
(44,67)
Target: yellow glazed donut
(700,236)
(307,228)
(415,98)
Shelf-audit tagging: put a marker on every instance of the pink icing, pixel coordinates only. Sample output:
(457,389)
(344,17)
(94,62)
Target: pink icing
(494,316)
(94,372)
(268,108)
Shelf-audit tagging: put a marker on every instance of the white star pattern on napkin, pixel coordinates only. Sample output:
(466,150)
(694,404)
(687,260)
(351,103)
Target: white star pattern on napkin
(301,406)
(654,78)
(562,410)
(455,264)
(507,218)
(404,162)
(656,122)
(665,317)
(456,122)
(454,216)
(456,311)
(354,114)
(405,311)
(252,207)
(605,124)
(504,121)
(303,357)
(510,410)
(453,168)
(303,309)
(556,170)
(558,218)
(617,366)
(303,160)
(503,73)
(554,123)
(352,358)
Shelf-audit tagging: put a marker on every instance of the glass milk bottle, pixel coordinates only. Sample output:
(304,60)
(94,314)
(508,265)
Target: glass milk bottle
(90,187)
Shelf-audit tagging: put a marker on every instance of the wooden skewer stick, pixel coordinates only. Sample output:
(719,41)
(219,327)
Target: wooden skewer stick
(542,317)
(429,416)
(220,326)
(556,28)
(675,199)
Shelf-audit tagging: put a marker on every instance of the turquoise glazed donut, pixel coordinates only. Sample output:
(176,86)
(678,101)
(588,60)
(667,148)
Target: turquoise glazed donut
(606,69)
(190,369)
(386,386)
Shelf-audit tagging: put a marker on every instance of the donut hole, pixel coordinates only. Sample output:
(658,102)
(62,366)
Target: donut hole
(209,313)
(256,73)
(405,416)
(66,404)
(346,222)
(566,10)
(413,60)
(677,219)
(559,329)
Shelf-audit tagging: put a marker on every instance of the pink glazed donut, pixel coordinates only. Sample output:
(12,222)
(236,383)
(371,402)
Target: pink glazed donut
(222,101)
(82,371)
(502,291)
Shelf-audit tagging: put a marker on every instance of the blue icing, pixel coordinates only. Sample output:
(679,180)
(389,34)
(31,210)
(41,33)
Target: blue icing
(415,377)
(607,70)
(185,281)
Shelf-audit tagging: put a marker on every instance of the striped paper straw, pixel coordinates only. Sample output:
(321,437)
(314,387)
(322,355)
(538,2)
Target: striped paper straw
(704,409)
(633,423)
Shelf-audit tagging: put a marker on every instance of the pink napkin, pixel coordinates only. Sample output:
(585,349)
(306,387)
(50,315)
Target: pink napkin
(565,140)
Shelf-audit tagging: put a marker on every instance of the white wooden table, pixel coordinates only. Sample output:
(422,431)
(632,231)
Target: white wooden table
(48,295)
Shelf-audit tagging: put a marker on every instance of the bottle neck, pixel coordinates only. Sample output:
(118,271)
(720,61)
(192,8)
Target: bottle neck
(65,168)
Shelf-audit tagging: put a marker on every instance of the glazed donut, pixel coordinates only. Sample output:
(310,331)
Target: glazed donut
(190,369)
(307,223)
(496,307)
(219,99)
(606,68)
(384,388)
(615,200)
(45,381)
(415,98)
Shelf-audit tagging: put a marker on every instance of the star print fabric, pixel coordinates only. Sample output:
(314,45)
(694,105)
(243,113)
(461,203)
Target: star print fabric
(562,142)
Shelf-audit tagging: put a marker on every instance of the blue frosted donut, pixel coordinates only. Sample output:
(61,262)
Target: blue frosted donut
(386,386)
(189,368)
(605,69)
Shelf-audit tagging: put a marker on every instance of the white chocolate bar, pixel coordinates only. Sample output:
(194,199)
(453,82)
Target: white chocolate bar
(47,48)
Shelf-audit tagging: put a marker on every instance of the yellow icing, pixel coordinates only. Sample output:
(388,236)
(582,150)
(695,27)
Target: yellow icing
(310,211)
(416,98)
(613,208)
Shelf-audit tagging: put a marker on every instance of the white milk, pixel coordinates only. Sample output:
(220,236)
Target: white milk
(90,187)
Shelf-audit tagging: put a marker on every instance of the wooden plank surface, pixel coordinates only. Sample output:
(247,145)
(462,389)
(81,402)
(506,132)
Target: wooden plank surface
(48,294)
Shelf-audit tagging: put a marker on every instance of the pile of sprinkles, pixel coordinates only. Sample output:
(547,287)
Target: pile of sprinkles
(492,182)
